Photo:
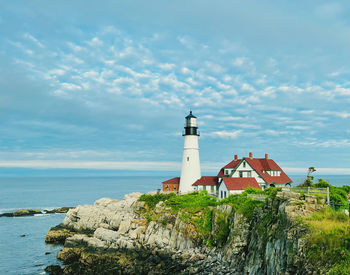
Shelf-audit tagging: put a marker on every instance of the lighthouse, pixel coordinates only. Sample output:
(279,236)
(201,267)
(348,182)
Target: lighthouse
(190,171)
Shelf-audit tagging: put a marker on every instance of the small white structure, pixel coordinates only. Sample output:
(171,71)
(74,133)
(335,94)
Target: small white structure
(229,186)
(207,183)
(190,171)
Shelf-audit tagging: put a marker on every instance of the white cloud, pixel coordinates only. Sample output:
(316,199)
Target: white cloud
(185,70)
(326,144)
(94,42)
(307,112)
(240,61)
(225,134)
(57,72)
(338,114)
(70,86)
(75,47)
(275,133)
(166,66)
(229,118)
(247,87)
(98,165)
(33,39)
(298,127)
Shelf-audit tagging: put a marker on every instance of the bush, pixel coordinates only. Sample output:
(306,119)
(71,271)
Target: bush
(242,204)
(338,195)
(346,188)
(251,190)
(191,200)
(322,184)
(271,192)
(152,200)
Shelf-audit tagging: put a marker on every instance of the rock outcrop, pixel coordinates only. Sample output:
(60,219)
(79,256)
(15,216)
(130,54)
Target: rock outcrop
(114,237)
(32,212)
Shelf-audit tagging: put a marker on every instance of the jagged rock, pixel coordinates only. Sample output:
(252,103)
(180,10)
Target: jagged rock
(20,213)
(58,210)
(58,234)
(54,270)
(113,237)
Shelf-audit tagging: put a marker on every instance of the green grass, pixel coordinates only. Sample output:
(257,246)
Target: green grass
(192,200)
(152,200)
(329,240)
(196,211)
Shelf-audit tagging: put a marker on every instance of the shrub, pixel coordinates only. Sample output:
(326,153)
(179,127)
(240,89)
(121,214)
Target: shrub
(338,195)
(223,229)
(346,188)
(322,184)
(152,200)
(242,204)
(251,190)
(191,200)
(329,240)
(271,192)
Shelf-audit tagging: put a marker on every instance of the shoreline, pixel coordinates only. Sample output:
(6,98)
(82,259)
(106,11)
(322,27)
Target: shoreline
(128,236)
(33,212)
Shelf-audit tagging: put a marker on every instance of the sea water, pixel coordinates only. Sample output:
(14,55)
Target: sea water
(22,246)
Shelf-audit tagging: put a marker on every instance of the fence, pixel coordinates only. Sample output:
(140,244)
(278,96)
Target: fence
(321,192)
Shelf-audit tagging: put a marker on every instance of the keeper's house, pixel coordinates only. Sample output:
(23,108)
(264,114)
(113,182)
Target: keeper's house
(238,175)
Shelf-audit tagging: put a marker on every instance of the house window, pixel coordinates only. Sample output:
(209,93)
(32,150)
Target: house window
(225,193)
(226,172)
(212,188)
(240,174)
(204,187)
(174,187)
(221,194)
(167,187)
(249,173)
(244,164)
(188,158)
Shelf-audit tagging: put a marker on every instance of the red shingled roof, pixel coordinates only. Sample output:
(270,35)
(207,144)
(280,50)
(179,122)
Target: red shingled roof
(221,173)
(206,180)
(172,181)
(232,164)
(261,165)
(240,183)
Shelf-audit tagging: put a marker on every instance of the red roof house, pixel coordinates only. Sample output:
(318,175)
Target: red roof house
(171,185)
(236,176)
(240,174)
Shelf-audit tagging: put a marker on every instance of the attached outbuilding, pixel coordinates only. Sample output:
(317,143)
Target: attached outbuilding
(207,183)
(171,185)
(229,186)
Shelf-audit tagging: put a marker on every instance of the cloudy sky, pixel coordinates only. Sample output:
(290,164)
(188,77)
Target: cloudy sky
(107,84)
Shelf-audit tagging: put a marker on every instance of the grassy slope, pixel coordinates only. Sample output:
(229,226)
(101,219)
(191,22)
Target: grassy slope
(329,241)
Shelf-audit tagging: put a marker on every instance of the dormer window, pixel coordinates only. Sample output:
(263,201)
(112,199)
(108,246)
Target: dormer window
(227,172)
(244,164)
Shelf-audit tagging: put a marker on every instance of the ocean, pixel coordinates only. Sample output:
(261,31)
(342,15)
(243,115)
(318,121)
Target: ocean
(22,246)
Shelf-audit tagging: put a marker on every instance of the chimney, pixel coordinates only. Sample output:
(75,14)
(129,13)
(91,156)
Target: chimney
(236,157)
(266,156)
(250,155)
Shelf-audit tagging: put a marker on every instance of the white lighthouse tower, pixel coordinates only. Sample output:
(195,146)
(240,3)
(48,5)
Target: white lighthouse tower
(190,171)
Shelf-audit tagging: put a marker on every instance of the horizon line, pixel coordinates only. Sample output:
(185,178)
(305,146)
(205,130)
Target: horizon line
(142,166)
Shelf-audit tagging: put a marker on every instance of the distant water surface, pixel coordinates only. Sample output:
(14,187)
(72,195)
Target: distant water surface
(26,255)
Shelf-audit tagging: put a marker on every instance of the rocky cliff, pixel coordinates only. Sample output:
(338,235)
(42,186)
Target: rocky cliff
(121,237)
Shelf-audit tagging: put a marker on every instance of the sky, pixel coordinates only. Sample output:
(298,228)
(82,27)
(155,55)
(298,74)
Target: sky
(106,84)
